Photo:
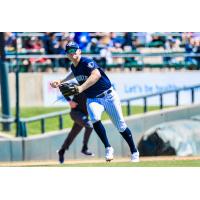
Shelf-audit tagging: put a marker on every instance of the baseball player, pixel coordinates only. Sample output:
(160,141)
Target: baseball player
(80,116)
(100,97)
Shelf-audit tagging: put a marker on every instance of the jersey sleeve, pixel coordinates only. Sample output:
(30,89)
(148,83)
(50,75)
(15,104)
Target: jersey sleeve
(91,65)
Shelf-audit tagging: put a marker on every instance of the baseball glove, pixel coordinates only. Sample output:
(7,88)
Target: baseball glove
(68,89)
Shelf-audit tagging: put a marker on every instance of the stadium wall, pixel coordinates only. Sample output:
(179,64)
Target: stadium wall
(35,89)
(43,147)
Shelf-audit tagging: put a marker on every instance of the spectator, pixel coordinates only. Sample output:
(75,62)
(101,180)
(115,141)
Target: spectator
(189,48)
(131,46)
(127,44)
(62,62)
(105,44)
(117,49)
(45,40)
(197,50)
(106,40)
(34,44)
(168,48)
(142,38)
(157,40)
(93,46)
(172,45)
(38,44)
(106,56)
(176,48)
(116,38)
(10,41)
(51,45)
(82,39)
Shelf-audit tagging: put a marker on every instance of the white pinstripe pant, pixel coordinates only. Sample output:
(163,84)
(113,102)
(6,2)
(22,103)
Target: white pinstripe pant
(110,104)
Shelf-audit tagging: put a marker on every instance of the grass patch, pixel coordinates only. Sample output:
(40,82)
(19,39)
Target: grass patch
(162,163)
(53,123)
(173,163)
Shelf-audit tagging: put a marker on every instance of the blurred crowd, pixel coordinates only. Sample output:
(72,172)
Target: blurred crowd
(105,44)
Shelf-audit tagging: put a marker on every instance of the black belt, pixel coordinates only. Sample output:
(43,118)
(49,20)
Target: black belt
(104,94)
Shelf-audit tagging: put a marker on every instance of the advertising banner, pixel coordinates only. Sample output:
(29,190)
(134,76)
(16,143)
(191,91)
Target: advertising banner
(136,84)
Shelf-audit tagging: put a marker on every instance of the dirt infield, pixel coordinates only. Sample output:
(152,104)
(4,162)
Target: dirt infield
(95,160)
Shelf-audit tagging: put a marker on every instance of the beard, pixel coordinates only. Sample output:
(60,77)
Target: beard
(75,56)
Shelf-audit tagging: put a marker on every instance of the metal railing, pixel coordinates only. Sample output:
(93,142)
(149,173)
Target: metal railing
(42,118)
(160,95)
(135,60)
(60,114)
(114,55)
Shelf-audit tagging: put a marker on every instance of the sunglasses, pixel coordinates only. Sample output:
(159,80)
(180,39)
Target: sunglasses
(71,51)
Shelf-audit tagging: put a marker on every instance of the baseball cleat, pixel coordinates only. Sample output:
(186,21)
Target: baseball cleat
(109,154)
(61,157)
(135,157)
(87,153)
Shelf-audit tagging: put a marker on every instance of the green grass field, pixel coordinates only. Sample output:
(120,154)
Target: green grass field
(163,163)
(52,124)
(154,162)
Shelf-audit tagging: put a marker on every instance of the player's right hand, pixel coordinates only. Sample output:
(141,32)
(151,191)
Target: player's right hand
(55,84)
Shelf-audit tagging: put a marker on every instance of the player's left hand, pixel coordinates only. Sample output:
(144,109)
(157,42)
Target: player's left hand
(68,89)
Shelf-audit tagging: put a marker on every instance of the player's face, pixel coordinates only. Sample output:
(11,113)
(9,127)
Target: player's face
(73,54)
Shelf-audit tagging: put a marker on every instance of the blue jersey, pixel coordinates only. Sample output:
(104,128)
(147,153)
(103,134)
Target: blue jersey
(83,70)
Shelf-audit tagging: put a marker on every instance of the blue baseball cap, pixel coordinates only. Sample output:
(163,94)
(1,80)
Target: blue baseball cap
(71,46)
